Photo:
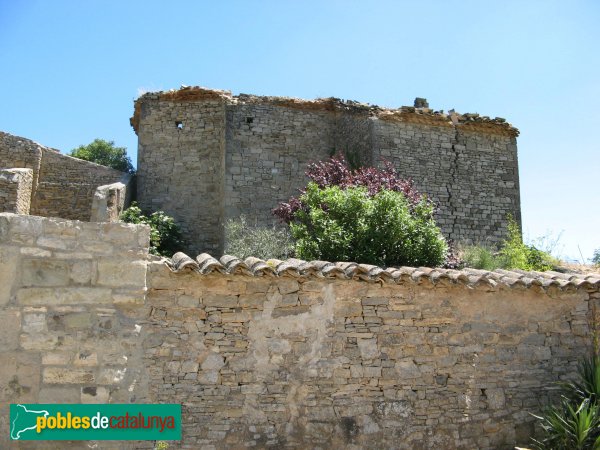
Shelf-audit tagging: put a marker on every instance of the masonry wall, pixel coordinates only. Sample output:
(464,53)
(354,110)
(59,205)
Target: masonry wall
(15,190)
(472,176)
(288,361)
(71,300)
(62,186)
(181,170)
(267,150)
(246,154)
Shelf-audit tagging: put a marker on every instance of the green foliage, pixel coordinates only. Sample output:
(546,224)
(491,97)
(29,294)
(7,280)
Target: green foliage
(161,445)
(596,257)
(384,229)
(104,153)
(479,257)
(244,240)
(513,254)
(570,427)
(165,234)
(575,422)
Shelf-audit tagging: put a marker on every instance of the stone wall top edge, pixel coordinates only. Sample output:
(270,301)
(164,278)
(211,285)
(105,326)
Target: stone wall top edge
(547,282)
(28,142)
(411,114)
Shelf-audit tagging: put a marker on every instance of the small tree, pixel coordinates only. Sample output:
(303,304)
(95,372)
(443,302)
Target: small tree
(366,215)
(104,153)
(596,257)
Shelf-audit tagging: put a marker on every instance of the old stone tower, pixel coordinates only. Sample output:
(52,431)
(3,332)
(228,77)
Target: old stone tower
(205,156)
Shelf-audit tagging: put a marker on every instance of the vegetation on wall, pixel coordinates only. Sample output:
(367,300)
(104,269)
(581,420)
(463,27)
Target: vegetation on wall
(165,235)
(104,153)
(366,215)
(244,240)
(513,254)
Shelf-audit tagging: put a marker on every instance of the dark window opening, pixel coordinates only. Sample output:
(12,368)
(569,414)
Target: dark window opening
(249,119)
(179,125)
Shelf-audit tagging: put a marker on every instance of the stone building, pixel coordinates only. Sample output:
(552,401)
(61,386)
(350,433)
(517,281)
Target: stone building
(41,181)
(205,156)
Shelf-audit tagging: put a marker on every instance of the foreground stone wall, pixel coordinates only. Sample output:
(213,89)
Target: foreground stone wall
(206,156)
(71,294)
(62,186)
(272,355)
(15,190)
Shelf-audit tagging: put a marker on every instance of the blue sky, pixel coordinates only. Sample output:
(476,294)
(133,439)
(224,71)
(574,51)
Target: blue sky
(70,70)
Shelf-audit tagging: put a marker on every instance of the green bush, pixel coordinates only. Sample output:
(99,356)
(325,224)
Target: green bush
(513,254)
(349,224)
(244,240)
(165,234)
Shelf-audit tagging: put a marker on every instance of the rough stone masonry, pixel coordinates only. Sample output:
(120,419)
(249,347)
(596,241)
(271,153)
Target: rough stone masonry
(205,156)
(272,354)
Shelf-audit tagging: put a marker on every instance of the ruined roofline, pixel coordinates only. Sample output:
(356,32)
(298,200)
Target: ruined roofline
(406,114)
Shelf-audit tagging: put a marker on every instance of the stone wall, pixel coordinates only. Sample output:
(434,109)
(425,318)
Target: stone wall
(181,166)
(272,355)
(15,190)
(206,156)
(71,294)
(62,186)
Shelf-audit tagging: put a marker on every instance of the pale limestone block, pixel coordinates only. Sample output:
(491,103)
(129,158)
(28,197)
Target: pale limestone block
(116,273)
(368,348)
(63,296)
(111,375)
(9,262)
(213,361)
(58,375)
(44,272)
(55,394)
(34,322)
(10,324)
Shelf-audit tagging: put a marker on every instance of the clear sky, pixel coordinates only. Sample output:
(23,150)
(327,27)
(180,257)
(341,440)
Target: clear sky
(70,70)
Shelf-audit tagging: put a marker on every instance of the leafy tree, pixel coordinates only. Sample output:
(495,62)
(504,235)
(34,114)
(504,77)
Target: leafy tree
(104,153)
(596,257)
(366,215)
(165,234)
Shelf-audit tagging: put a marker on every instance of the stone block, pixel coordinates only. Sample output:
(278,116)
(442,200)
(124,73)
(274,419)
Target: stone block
(58,375)
(10,325)
(44,272)
(9,262)
(94,394)
(118,273)
(63,296)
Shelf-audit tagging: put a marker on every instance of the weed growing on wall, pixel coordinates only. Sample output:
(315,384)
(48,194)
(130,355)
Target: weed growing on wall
(513,254)
(165,234)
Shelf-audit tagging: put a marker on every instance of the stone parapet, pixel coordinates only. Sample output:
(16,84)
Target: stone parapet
(15,190)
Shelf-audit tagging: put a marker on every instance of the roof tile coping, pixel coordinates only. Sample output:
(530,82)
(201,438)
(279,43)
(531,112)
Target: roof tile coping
(411,114)
(205,264)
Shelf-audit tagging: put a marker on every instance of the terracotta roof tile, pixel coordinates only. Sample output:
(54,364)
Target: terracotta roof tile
(297,268)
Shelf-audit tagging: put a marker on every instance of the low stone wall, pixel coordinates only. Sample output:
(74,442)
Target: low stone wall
(15,190)
(62,186)
(273,355)
(70,296)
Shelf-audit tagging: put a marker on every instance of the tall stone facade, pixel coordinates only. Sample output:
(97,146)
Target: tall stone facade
(205,156)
